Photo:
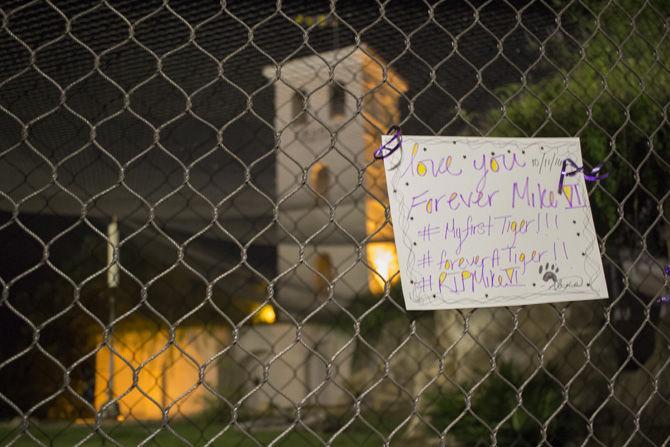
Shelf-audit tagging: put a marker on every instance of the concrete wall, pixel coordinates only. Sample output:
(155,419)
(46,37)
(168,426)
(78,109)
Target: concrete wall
(298,375)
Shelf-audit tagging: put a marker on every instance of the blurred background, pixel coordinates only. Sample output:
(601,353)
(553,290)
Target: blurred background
(196,242)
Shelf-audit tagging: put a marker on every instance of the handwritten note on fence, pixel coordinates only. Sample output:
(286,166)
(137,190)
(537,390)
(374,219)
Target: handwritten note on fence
(479,222)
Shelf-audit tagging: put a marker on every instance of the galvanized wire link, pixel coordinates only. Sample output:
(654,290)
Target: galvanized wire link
(197,248)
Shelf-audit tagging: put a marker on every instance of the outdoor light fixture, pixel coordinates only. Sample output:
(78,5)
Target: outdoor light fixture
(265,315)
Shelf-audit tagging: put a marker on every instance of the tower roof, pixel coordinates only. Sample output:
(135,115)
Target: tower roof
(344,65)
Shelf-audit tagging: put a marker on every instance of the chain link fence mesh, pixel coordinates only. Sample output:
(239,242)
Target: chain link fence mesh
(196,242)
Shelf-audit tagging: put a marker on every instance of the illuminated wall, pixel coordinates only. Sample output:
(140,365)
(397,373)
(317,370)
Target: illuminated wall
(380,111)
(168,378)
(383,258)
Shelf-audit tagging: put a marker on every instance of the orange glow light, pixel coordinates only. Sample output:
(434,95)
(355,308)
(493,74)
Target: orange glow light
(265,315)
(384,260)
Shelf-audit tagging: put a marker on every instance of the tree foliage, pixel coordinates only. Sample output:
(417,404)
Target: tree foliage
(602,76)
(510,404)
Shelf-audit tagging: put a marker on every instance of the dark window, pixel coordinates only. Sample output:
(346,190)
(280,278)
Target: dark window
(324,265)
(298,106)
(320,179)
(336,100)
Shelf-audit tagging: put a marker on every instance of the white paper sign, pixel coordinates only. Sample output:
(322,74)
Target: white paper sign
(479,222)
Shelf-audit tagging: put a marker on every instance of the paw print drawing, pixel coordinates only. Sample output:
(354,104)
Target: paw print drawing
(549,273)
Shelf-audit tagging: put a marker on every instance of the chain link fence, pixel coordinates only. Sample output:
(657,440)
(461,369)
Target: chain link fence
(196,241)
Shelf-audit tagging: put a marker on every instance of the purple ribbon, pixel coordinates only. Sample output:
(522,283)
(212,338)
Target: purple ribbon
(593,176)
(385,150)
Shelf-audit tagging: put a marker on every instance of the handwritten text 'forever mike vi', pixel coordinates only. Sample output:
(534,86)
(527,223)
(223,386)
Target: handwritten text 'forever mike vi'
(491,217)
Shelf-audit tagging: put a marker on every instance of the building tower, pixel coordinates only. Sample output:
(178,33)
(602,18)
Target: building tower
(330,193)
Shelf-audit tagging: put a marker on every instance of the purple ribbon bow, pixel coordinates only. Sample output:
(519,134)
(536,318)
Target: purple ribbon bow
(385,150)
(590,177)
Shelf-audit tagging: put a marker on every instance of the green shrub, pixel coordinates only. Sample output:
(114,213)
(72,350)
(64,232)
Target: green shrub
(495,407)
